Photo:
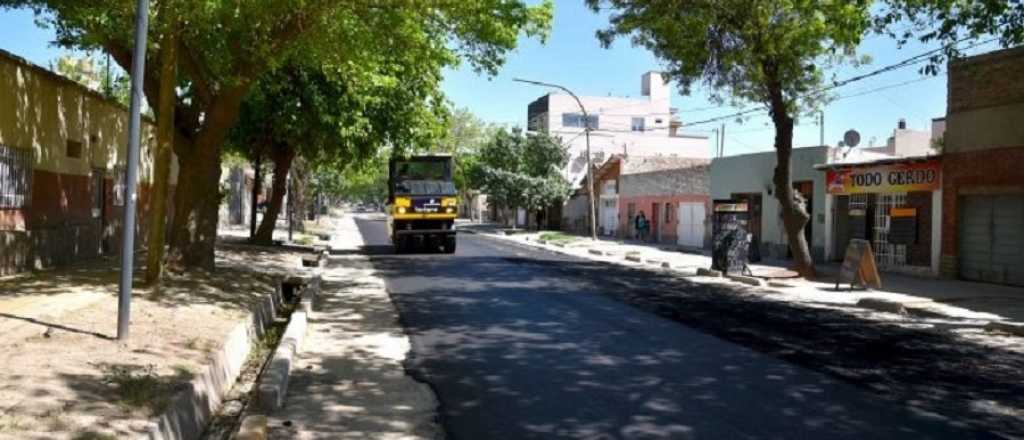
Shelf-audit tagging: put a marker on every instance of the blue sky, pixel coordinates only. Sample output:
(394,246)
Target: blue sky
(573,57)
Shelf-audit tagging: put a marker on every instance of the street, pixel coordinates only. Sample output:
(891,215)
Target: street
(521,343)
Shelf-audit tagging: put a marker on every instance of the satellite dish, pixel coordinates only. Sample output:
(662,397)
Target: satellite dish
(851,138)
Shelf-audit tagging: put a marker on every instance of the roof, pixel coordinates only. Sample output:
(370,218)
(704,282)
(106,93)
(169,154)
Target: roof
(650,164)
(873,162)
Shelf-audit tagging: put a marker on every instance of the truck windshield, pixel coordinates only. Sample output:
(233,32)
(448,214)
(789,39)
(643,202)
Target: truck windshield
(422,170)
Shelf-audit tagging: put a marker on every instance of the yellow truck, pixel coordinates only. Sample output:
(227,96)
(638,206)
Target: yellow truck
(422,203)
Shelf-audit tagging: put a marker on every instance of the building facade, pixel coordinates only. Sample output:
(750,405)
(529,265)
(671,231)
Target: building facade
(748,178)
(62,162)
(895,204)
(983,184)
(672,193)
(645,126)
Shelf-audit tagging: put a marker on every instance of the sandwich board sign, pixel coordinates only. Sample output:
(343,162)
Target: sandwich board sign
(859,266)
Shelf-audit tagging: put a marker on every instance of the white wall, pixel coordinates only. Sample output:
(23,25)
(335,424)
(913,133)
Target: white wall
(752,173)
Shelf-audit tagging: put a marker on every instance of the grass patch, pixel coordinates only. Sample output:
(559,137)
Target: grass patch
(556,236)
(305,240)
(139,387)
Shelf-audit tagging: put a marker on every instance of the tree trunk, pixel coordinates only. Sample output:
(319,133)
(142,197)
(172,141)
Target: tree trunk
(197,196)
(794,217)
(162,157)
(282,158)
(300,207)
(257,183)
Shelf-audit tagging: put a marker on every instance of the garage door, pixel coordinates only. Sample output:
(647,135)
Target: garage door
(992,239)
(690,225)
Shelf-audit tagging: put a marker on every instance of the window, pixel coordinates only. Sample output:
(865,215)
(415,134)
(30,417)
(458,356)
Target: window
(15,177)
(576,120)
(668,212)
(657,121)
(119,184)
(638,124)
(74,150)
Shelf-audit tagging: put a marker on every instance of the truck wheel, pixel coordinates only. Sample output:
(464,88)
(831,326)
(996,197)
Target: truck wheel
(449,244)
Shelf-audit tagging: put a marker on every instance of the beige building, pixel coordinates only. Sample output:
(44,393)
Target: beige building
(62,162)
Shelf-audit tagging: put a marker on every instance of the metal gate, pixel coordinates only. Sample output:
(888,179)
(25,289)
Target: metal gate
(690,225)
(991,238)
(888,255)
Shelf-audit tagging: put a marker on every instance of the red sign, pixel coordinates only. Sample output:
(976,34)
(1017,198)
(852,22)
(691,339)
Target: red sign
(889,178)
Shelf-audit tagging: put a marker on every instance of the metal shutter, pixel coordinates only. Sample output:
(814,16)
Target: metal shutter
(991,236)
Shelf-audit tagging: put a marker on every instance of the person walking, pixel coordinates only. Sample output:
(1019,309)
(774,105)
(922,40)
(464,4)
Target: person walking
(640,224)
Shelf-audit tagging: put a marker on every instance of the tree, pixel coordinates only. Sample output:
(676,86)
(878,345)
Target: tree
(228,45)
(524,171)
(952,22)
(98,76)
(769,52)
(466,135)
(336,116)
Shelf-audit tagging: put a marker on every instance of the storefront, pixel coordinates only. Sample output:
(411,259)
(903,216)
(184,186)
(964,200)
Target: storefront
(896,204)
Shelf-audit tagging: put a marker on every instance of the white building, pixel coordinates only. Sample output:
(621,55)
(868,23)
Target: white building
(644,126)
(906,142)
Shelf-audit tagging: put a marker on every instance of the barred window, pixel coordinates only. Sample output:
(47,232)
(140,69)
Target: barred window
(15,177)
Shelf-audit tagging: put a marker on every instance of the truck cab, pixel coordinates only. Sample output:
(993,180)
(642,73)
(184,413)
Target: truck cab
(422,203)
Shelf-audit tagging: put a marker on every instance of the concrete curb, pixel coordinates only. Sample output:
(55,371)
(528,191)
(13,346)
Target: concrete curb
(1013,328)
(273,383)
(756,282)
(702,272)
(193,407)
(883,305)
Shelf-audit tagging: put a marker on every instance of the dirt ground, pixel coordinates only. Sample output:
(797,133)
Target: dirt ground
(63,374)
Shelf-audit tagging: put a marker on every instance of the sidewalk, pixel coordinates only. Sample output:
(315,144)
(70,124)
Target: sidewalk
(972,304)
(349,381)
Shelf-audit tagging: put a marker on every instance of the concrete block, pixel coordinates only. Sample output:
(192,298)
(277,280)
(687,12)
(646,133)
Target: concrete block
(634,258)
(654,262)
(702,272)
(597,252)
(274,381)
(666,265)
(883,305)
(780,284)
(1013,328)
(560,244)
(751,281)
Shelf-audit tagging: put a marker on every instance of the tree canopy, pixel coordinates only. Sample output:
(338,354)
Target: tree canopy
(224,47)
(523,171)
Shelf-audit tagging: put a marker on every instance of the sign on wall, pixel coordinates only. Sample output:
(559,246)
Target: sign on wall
(891,178)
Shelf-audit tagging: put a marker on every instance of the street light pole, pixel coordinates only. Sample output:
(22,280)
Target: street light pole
(590,168)
(124,296)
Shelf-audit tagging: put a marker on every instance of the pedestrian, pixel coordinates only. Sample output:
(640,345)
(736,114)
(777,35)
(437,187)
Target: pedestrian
(640,224)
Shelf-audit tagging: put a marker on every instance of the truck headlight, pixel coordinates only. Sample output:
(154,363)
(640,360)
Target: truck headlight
(401,210)
(450,210)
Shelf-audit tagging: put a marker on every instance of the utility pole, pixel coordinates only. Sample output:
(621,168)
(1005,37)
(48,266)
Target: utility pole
(721,147)
(590,166)
(717,142)
(256,181)
(821,127)
(124,297)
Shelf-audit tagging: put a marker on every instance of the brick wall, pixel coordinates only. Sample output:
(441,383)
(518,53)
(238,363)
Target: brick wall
(694,180)
(920,253)
(976,172)
(986,80)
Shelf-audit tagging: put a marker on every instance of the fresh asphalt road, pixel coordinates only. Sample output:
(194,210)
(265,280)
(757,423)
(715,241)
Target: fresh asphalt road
(518,345)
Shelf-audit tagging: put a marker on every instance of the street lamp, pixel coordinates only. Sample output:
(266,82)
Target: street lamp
(124,295)
(586,132)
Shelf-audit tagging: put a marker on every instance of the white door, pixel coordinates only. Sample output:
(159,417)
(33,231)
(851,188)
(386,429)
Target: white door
(690,225)
(609,215)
